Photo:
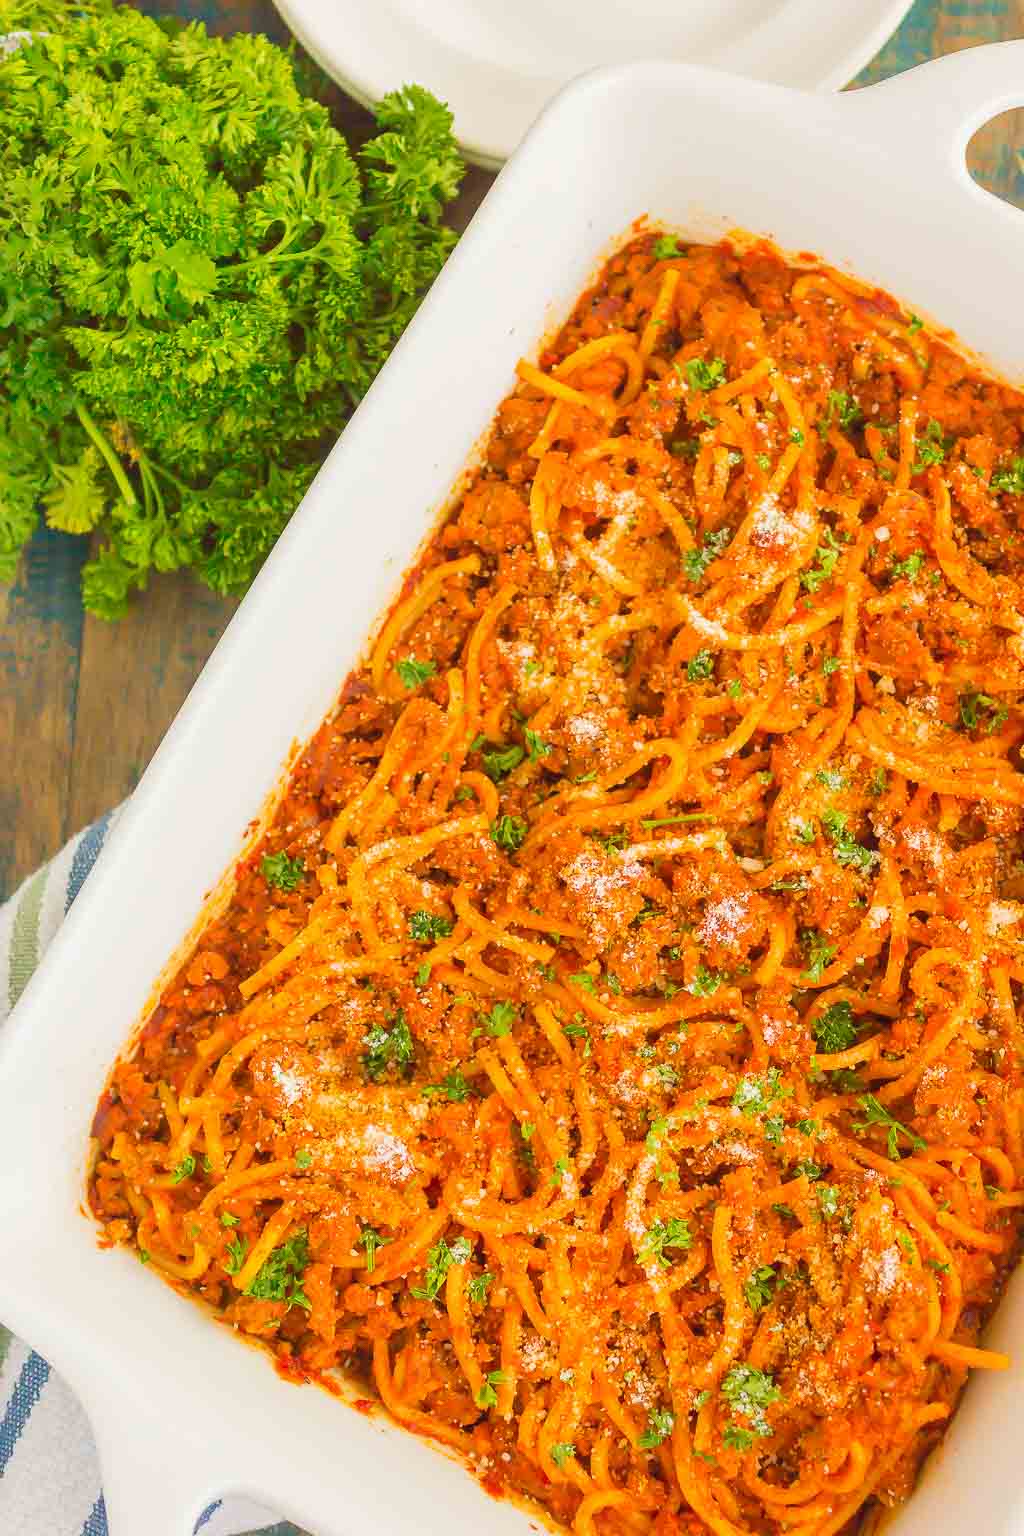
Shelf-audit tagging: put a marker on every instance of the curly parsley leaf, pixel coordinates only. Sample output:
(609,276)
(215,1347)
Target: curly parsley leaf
(427,928)
(388,1044)
(661,1235)
(697,559)
(660,1423)
(413,673)
(281,872)
(279,1277)
(834,1029)
(876,1113)
(182,346)
(439,1261)
(509,832)
(705,374)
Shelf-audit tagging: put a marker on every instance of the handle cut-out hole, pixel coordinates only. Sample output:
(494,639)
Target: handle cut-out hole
(995,156)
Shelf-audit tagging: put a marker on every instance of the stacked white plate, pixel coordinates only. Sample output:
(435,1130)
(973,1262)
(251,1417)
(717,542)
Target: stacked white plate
(498,62)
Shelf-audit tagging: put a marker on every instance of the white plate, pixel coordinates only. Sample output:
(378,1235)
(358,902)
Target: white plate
(875,182)
(498,62)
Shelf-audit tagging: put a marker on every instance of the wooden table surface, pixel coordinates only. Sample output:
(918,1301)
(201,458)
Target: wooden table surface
(84,704)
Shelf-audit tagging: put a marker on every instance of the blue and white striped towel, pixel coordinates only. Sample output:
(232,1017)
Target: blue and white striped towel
(49,1475)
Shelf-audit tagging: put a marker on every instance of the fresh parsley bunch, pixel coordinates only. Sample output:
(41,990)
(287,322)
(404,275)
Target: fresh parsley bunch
(197,284)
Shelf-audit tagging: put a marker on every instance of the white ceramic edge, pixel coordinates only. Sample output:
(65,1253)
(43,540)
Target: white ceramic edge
(771,52)
(173,1399)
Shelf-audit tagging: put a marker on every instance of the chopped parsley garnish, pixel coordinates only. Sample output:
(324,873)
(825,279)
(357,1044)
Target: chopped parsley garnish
(185,1169)
(842,410)
(660,1235)
(425,928)
(754,1094)
(736,1439)
(500,761)
(672,821)
(279,1277)
(478,1287)
(281,872)
(700,667)
(830,664)
(487,1397)
(697,560)
(370,1239)
(914,324)
(413,673)
(939,1267)
(453,1086)
(303,1158)
(665,248)
(1009,479)
(910,567)
(825,557)
(804,831)
(578,1032)
(773,1129)
(796,436)
(509,833)
(705,982)
(749,1392)
(227,1220)
(834,1029)
(439,1261)
(807,1168)
(931,448)
(500,1019)
(760,1288)
(237,1250)
(535,746)
(705,374)
(832,779)
(974,705)
(845,849)
(585,980)
(562,1451)
(660,1423)
(828,1199)
(877,1114)
(820,954)
(387,1044)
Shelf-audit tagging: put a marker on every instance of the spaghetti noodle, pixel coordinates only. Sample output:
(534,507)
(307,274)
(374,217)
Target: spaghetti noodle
(612,1055)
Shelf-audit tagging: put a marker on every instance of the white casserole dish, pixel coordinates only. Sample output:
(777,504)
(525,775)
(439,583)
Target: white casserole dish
(875,183)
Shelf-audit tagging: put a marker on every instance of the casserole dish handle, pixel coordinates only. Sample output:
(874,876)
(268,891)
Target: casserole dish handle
(927,117)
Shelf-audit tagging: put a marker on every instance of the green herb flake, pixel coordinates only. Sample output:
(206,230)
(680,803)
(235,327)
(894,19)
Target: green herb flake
(426,928)
(700,667)
(413,673)
(439,1261)
(820,954)
(500,761)
(760,1288)
(370,1240)
(660,1423)
(509,833)
(876,1113)
(281,872)
(389,1044)
(185,1169)
(665,248)
(661,1235)
(453,1086)
(834,1029)
(705,374)
(697,560)
(279,1277)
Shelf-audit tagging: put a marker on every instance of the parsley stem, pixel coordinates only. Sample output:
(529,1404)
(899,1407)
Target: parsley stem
(110,458)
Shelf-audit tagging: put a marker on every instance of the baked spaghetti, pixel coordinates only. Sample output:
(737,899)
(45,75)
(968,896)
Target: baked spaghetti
(611,1055)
